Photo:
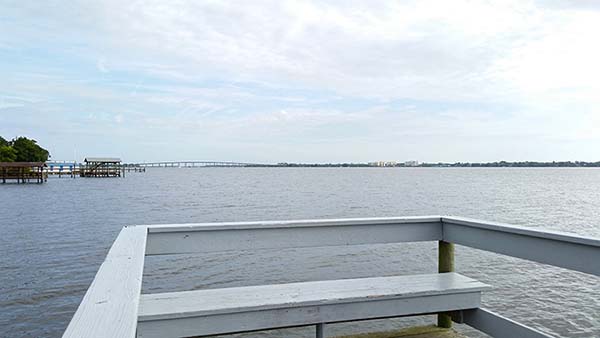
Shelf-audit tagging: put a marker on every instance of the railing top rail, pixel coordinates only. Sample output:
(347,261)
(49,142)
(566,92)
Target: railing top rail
(469,222)
(517,229)
(156,228)
(560,249)
(239,236)
(110,305)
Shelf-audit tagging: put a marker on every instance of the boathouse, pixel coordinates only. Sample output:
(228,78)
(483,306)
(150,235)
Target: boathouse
(102,167)
(22,172)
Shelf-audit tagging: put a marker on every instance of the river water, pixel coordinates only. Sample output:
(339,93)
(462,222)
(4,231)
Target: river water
(54,236)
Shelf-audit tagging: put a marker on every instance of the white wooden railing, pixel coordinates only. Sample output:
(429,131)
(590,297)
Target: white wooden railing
(110,306)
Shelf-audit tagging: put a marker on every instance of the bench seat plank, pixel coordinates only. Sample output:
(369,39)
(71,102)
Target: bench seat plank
(216,311)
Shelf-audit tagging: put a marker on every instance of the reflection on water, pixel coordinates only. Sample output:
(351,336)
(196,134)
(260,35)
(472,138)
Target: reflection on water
(54,236)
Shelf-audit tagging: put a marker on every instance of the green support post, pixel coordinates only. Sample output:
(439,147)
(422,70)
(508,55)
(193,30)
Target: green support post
(445,264)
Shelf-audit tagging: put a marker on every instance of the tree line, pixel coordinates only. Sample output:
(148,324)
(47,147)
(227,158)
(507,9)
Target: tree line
(22,149)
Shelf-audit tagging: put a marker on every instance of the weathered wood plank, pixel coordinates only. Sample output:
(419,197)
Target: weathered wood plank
(549,247)
(211,237)
(110,306)
(206,312)
(240,299)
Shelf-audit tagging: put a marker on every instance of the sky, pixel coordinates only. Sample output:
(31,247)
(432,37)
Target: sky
(303,81)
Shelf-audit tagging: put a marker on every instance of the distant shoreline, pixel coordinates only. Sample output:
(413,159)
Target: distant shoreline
(410,164)
(501,164)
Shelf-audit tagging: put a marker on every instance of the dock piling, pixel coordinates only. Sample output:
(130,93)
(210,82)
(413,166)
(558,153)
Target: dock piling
(321,330)
(445,264)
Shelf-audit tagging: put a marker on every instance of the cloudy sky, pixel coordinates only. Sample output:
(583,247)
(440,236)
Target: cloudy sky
(303,81)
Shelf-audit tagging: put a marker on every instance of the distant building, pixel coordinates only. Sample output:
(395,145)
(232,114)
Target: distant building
(411,163)
(383,164)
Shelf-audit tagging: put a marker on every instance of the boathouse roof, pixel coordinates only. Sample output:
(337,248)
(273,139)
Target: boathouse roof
(22,164)
(103,159)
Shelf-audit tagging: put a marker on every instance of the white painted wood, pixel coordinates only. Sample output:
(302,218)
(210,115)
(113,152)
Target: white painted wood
(110,306)
(210,237)
(558,249)
(227,300)
(496,325)
(309,315)
(521,230)
(229,310)
(152,228)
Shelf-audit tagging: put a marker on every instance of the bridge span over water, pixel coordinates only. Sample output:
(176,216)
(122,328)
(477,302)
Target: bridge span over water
(192,164)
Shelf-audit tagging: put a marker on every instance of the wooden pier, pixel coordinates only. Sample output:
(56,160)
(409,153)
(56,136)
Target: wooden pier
(113,306)
(102,167)
(63,168)
(22,172)
(74,169)
(134,168)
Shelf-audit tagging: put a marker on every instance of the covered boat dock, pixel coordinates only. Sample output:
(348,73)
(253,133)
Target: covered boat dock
(22,172)
(102,167)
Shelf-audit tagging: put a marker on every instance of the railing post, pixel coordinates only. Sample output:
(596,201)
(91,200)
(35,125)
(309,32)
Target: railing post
(445,264)
(321,330)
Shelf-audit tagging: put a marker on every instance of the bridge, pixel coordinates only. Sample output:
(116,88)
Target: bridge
(193,164)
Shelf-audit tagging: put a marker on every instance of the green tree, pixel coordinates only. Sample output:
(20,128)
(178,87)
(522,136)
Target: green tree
(3,142)
(7,154)
(28,150)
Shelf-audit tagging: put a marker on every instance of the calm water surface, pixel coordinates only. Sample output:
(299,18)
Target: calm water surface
(54,236)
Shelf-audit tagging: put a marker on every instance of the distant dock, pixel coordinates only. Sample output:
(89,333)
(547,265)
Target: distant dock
(22,172)
(102,167)
(98,168)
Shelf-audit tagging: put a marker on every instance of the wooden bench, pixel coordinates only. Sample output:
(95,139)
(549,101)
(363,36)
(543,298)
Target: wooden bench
(251,308)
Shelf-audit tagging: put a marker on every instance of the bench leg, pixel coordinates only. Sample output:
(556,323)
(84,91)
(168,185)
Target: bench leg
(321,330)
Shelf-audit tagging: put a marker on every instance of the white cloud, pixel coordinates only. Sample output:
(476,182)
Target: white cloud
(468,69)
(421,49)
(101,65)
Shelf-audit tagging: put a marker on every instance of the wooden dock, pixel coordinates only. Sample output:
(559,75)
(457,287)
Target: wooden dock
(74,169)
(113,306)
(22,172)
(102,167)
